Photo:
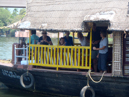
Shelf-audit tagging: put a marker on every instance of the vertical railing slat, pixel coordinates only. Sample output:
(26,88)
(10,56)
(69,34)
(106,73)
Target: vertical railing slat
(68,57)
(64,56)
(47,55)
(90,47)
(82,57)
(35,55)
(51,55)
(38,55)
(61,57)
(79,57)
(44,55)
(86,58)
(41,53)
(71,56)
(32,55)
(75,57)
(57,58)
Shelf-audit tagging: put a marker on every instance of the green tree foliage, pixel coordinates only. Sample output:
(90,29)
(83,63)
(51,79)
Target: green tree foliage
(6,18)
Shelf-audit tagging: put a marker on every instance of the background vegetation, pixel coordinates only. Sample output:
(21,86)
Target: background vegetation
(7,18)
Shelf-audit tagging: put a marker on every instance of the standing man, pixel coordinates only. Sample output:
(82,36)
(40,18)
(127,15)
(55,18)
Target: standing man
(34,38)
(95,43)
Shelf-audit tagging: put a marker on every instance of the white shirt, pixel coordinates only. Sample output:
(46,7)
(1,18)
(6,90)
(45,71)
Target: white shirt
(84,42)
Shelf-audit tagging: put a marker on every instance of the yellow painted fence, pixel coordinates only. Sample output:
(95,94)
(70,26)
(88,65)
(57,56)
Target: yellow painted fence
(72,57)
(60,56)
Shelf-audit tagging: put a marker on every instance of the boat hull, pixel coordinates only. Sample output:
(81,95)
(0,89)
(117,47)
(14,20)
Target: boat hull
(65,83)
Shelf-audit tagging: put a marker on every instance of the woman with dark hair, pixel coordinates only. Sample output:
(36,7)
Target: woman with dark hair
(103,52)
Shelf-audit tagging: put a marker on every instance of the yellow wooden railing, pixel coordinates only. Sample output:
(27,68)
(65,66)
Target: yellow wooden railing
(73,57)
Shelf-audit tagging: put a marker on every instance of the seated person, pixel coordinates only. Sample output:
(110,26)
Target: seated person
(68,39)
(82,39)
(62,41)
(44,39)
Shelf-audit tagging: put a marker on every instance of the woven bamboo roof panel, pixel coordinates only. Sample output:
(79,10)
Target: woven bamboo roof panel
(70,14)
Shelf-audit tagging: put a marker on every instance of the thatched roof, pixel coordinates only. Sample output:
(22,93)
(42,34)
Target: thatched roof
(70,14)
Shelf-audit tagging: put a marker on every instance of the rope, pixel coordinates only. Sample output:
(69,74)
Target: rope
(93,79)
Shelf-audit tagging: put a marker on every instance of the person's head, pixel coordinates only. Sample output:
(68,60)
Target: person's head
(67,33)
(62,40)
(79,35)
(94,26)
(44,33)
(33,32)
(103,34)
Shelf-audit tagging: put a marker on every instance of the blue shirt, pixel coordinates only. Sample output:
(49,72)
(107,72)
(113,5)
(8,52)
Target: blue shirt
(34,38)
(69,42)
(103,42)
(44,43)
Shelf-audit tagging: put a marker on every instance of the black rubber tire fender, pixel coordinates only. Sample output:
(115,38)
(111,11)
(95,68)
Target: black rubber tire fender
(31,77)
(84,89)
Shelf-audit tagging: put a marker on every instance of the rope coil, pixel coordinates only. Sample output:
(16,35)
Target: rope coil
(93,79)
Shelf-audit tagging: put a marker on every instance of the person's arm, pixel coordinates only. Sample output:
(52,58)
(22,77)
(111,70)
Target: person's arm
(105,43)
(94,48)
(49,41)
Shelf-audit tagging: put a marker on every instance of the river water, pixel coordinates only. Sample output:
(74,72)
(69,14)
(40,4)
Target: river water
(6,53)
(6,47)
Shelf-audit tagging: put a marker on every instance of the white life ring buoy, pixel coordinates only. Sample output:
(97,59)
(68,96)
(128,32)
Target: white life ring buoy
(84,89)
(31,78)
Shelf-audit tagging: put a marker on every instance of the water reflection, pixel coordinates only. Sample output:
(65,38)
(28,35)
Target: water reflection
(6,46)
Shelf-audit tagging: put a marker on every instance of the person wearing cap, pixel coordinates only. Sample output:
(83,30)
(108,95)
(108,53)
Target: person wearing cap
(95,43)
(68,40)
(44,39)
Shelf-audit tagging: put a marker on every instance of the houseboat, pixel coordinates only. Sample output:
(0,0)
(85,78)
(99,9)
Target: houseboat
(66,70)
